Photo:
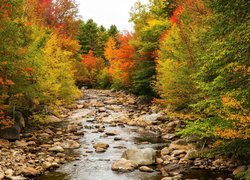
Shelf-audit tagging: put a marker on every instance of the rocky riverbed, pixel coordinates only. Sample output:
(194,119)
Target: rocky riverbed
(110,135)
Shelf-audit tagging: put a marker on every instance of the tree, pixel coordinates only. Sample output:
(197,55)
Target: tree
(119,53)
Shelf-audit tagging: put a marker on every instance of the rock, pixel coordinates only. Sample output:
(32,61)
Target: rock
(1,175)
(192,154)
(21,143)
(173,168)
(100,150)
(162,119)
(102,109)
(48,130)
(140,156)
(178,152)
(130,101)
(44,135)
(101,145)
(29,172)
(79,133)
(9,172)
(30,143)
(70,144)
(45,146)
(117,138)
(111,133)
(123,165)
(239,169)
(56,149)
(167,178)
(146,169)
(168,136)
(71,128)
(49,165)
(165,151)
(159,161)
(4,143)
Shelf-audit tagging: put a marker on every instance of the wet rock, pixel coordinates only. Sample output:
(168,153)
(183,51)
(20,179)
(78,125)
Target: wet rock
(117,138)
(140,156)
(111,133)
(100,145)
(100,129)
(79,133)
(123,165)
(100,150)
(70,144)
(89,151)
(146,169)
(56,149)
(239,169)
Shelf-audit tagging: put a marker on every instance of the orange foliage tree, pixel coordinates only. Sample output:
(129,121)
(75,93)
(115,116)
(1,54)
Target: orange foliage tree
(91,66)
(119,53)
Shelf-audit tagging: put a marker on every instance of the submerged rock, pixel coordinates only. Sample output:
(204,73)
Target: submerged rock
(140,156)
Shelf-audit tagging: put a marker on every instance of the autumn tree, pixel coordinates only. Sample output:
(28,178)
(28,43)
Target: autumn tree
(119,53)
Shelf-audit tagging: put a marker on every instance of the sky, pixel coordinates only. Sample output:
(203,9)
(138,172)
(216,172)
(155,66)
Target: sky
(108,12)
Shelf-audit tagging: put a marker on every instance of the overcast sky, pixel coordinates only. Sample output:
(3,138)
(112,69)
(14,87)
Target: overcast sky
(108,12)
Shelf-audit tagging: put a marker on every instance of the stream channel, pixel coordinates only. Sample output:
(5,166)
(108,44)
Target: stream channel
(97,166)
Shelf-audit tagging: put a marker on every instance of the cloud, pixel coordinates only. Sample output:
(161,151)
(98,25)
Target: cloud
(108,12)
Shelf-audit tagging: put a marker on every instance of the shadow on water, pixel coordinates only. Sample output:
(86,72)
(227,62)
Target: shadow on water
(54,176)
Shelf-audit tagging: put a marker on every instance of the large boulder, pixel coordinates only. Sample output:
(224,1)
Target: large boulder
(13,132)
(140,156)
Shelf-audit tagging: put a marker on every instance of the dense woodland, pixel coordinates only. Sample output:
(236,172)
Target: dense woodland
(190,56)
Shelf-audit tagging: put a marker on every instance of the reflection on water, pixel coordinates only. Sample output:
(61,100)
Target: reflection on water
(205,174)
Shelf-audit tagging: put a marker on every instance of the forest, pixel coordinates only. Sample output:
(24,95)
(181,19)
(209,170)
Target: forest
(191,57)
